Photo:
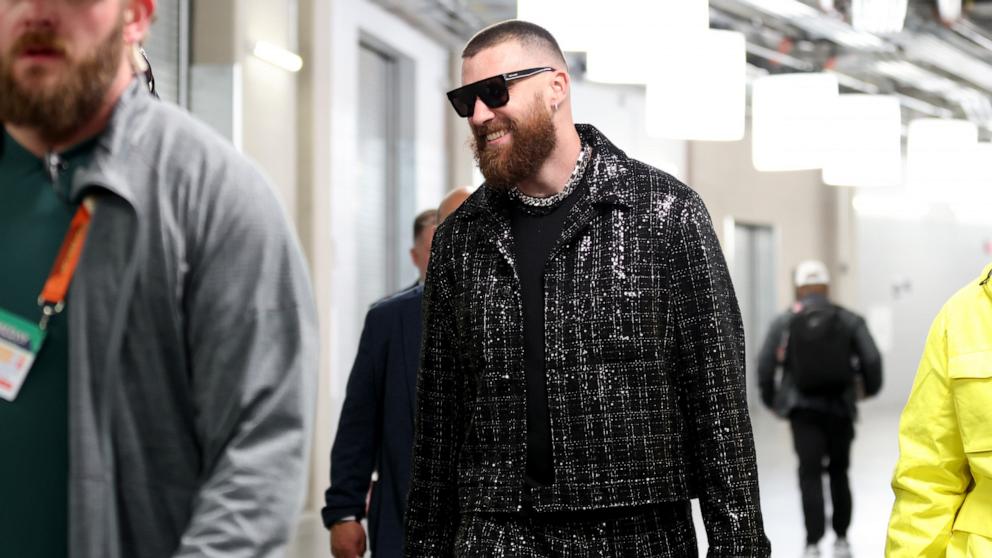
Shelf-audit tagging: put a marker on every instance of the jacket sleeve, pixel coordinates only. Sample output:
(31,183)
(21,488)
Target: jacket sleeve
(359,428)
(768,361)
(251,337)
(710,338)
(432,504)
(869,358)
(932,474)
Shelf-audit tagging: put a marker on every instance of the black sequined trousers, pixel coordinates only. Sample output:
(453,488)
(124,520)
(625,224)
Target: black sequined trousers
(660,531)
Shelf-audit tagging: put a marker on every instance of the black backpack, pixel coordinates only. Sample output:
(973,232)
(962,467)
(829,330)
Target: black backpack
(819,351)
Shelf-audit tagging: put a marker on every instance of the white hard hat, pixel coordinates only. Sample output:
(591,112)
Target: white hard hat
(811,272)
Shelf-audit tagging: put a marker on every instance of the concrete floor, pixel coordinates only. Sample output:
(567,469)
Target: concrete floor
(873,458)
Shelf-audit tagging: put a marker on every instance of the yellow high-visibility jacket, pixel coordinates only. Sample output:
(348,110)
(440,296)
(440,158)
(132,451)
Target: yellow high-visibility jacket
(943,480)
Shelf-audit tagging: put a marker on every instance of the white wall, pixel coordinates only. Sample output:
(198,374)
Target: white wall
(909,269)
(251,102)
(269,96)
(332,37)
(799,208)
(618,112)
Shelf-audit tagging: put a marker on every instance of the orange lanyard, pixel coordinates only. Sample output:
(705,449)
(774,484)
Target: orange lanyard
(52,298)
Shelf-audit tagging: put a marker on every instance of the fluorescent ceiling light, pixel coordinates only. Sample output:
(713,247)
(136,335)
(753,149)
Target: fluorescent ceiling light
(866,142)
(950,10)
(878,16)
(569,21)
(278,56)
(709,101)
(791,117)
(642,26)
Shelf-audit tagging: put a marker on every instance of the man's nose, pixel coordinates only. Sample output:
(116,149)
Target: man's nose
(40,13)
(480,113)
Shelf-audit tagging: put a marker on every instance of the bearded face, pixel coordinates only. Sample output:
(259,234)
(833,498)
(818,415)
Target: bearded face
(532,140)
(56,98)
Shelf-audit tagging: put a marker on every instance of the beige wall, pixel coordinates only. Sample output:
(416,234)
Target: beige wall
(261,97)
(802,211)
(269,96)
(330,35)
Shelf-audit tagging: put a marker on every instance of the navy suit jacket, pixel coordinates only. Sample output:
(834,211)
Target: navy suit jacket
(375,432)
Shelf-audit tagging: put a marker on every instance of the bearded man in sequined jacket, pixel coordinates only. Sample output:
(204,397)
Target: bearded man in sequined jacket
(582,373)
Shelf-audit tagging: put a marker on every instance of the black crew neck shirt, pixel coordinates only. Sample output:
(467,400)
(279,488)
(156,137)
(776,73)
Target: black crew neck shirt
(535,233)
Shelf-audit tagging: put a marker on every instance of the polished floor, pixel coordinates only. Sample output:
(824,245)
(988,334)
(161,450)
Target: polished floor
(873,457)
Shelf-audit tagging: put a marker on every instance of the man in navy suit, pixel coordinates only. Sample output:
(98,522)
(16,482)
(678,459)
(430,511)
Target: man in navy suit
(375,432)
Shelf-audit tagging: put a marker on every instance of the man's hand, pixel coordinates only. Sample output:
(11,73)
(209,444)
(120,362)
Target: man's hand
(347,540)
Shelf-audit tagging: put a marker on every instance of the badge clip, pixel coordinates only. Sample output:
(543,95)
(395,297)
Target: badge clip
(47,311)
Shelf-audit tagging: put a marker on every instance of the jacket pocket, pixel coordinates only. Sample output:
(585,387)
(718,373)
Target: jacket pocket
(975,515)
(971,385)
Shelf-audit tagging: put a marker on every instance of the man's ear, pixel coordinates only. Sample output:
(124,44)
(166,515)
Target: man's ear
(561,83)
(137,19)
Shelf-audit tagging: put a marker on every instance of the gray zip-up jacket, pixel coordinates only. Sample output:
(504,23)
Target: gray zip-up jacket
(193,348)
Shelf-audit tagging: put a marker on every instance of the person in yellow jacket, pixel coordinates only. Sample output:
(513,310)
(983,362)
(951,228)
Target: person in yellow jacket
(943,480)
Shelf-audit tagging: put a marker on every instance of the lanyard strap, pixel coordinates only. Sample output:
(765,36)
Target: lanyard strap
(52,298)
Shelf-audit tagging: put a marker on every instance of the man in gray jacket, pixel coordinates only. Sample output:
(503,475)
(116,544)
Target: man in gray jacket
(168,408)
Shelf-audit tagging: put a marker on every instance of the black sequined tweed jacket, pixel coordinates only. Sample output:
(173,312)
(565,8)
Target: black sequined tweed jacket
(645,364)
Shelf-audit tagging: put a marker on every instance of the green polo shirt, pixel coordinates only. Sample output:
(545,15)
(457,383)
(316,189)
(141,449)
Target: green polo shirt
(34,437)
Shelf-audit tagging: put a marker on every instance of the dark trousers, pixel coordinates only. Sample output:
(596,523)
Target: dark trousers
(823,444)
(657,531)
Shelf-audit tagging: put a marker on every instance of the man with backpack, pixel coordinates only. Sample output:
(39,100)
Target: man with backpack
(828,362)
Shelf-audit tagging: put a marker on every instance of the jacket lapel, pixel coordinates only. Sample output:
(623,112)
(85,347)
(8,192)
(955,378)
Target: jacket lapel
(494,223)
(605,187)
(584,212)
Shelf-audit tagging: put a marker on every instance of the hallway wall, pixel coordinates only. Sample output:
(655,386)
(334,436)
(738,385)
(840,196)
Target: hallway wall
(908,270)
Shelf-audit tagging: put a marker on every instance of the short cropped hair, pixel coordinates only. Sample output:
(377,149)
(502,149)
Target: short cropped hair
(524,32)
(424,219)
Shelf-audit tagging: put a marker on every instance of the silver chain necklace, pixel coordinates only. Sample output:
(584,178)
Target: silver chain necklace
(573,181)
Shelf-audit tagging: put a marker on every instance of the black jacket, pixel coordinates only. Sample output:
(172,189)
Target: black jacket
(644,364)
(778,389)
(375,432)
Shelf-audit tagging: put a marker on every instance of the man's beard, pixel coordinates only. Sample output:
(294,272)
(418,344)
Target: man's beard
(58,109)
(531,143)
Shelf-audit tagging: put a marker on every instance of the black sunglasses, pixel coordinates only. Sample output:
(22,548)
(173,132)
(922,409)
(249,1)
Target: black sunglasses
(493,91)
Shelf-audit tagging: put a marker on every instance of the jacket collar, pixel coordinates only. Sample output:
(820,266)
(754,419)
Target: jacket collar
(110,155)
(986,280)
(603,177)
